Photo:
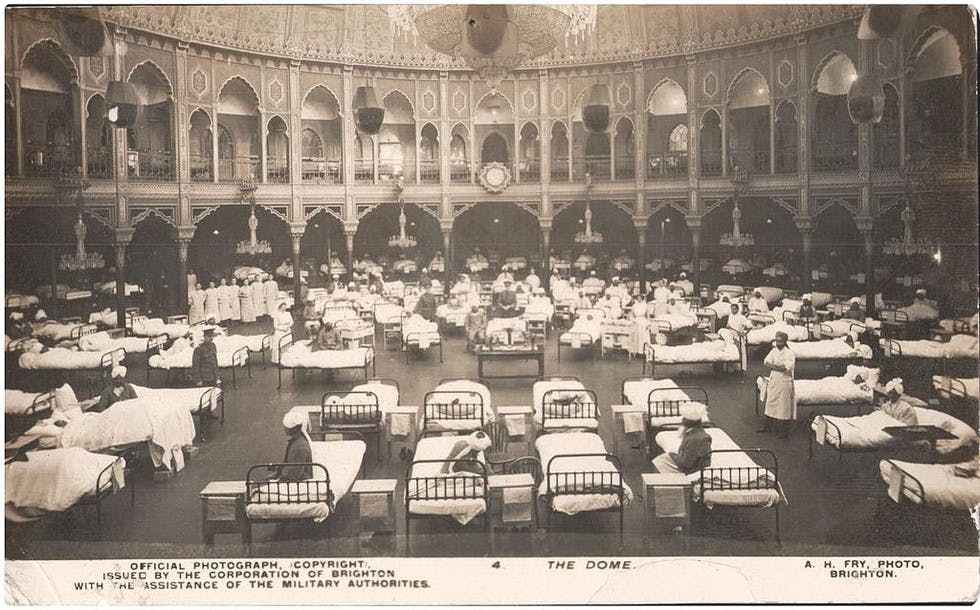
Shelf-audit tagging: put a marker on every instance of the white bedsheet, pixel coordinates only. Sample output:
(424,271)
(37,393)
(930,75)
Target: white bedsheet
(388,313)
(54,331)
(826,349)
(677,321)
(637,391)
(106,317)
(957,385)
(387,394)
(831,391)
(151,327)
(958,346)
(101,342)
(59,358)
(189,398)
(452,315)
(867,431)
(462,510)
(463,391)
(942,488)
(181,354)
(420,331)
(540,388)
(299,355)
(56,479)
(16,402)
(767,334)
(705,351)
(567,443)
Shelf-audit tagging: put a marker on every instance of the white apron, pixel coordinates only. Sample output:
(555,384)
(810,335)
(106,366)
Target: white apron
(780,401)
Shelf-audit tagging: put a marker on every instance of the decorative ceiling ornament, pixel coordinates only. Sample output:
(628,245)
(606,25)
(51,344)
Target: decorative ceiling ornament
(495,177)
(493,39)
(252,246)
(70,186)
(402,240)
(368,115)
(595,110)
(866,100)
(588,237)
(736,239)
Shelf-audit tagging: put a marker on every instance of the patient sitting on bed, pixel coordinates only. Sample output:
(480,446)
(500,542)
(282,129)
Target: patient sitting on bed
(693,452)
(326,338)
(468,448)
(116,391)
(296,464)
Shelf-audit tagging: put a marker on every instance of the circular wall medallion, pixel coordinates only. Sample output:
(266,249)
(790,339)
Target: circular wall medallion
(495,177)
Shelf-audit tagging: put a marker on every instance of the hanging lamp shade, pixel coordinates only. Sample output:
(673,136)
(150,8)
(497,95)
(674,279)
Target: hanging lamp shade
(123,106)
(595,110)
(368,115)
(486,25)
(82,32)
(885,20)
(866,100)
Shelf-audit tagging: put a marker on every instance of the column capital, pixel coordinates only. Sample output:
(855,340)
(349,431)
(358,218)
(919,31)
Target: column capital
(545,222)
(865,224)
(124,235)
(350,226)
(804,224)
(296,229)
(640,223)
(185,234)
(446,225)
(694,223)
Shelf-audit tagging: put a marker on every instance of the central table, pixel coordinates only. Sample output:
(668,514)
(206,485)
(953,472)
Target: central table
(484,354)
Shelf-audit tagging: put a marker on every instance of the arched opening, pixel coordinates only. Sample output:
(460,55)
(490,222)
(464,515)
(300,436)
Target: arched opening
(212,253)
(500,231)
(323,239)
(47,130)
(493,124)
(201,142)
(885,134)
(787,138)
(837,251)
(591,152)
(668,242)
(834,139)
(238,122)
(710,144)
(322,137)
(398,133)
(777,244)
(429,154)
(150,155)
(459,160)
(748,123)
(936,109)
(98,139)
(276,151)
(667,155)
(363,159)
(10,125)
(151,263)
(623,150)
(494,150)
(529,159)
(375,228)
(559,152)
(612,223)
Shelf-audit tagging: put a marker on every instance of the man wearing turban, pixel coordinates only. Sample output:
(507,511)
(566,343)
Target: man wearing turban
(299,454)
(468,448)
(117,390)
(695,444)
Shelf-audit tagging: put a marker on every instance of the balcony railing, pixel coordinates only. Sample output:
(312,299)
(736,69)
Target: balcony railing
(236,168)
(429,171)
(559,169)
(530,170)
(318,169)
(786,160)
(98,162)
(670,165)
(390,172)
(886,152)
(364,171)
(459,172)
(152,166)
(834,157)
(710,162)
(625,168)
(928,142)
(597,166)
(201,168)
(752,161)
(48,161)
(276,170)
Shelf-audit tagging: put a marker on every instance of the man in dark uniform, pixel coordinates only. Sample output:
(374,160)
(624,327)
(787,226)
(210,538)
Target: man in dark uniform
(204,362)
(116,391)
(506,302)
(427,306)
(296,464)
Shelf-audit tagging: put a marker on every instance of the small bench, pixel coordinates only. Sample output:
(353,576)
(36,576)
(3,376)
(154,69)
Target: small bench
(223,510)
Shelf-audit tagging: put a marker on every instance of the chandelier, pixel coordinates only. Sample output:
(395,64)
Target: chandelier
(492,39)
(909,246)
(736,238)
(252,246)
(588,236)
(70,186)
(402,240)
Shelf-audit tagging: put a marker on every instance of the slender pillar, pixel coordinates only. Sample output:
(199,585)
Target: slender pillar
(296,236)
(865,224)
(694,226)
(447,239)
(182,248)
(641,258)
(124,235)
(805,226)
(546,252)
(54,281)
(349,235)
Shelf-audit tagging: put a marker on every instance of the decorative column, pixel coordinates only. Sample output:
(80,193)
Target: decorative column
(119,145)
(19,113)
(544,130)
(124,235)
(295,151)
(184,236)
(694,226)
(804,224)
(446,226)
(347,130)
(545,223)
(182,152)
(444,129)
(640,129)
(296,230)
(865,225)
(350,229)
(640,223)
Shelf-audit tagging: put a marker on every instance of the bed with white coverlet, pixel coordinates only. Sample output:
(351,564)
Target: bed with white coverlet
(60,358)
(56,480)
(637,392)
(695,353)
(561,391)
(962,387)
(866,432)
(958,346)
(152,327)
(463,509)
(453,315)
(767,334)
(416,330)
(180,355)
(938,485)
(107,317)
(585,330)
(670,442)
(299,355)
(388,313)
(440,413)
(674,322)
(168,427)
(342,460)
(102,342)
(842,327)
(828,349)
(54,331)
(189,398)
(16,402)
(568,443)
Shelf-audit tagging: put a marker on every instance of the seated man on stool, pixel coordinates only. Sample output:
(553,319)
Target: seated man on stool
(476,326)
(506,302)
(695,444)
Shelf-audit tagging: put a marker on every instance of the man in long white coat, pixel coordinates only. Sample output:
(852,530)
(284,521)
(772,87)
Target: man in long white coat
(781,362)
(258,297)
(271,289)
(195,299)
(212,310)
(236,305)
(225,296)
(245,301)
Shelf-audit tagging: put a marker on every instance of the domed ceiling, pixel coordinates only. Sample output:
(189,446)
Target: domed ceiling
(367,34)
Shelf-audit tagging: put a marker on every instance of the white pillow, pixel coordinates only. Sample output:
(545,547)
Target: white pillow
(64,398)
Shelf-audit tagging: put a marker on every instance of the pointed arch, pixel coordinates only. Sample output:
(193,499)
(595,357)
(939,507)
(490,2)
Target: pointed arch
(833,60)
(748,72)
(928,37)
(398,96)
(666,95)
(311,91)
(238,79)
(154,69)
(51,45)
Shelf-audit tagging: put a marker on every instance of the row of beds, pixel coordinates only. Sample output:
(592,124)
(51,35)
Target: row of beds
(951,351)
(574,471)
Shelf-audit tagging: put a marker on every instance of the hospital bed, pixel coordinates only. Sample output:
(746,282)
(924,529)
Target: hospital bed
(22,409)
(102,341)
(658,405)
(58,480)
(955,357)
(297,355)
(432,489)
(354,411)
(335,466)
(179,357)
(201,402)
(389,316)
(670,325)
(826,351)
(457,405)
(713,351)
(93,366)
(256,344)
(562,404)
(56,332)
(452,317)
(824,394)
(21,301)
(418,334)
(867,433)
(581,476)
(930,485)
(142,326)
(731,476)
(586,332)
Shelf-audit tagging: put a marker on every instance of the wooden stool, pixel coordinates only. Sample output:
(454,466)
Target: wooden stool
(527,412)
(223,510)
(516,513)
(375,505)
(667,500)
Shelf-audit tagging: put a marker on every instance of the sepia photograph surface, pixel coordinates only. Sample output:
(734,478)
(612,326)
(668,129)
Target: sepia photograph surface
(367,303)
